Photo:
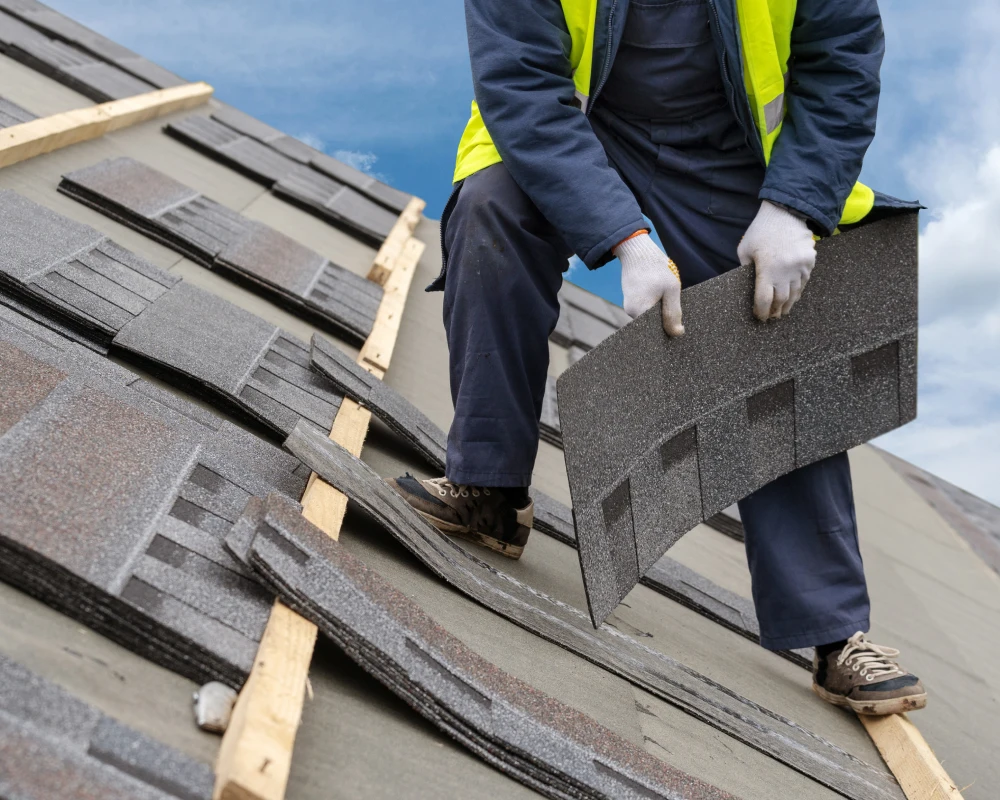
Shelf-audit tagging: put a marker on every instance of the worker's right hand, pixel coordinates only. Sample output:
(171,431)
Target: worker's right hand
(648,277)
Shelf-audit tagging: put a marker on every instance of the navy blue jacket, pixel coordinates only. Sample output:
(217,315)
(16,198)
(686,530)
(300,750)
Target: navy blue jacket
(523,85)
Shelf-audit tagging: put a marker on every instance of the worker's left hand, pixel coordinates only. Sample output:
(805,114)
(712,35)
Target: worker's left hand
(783,252)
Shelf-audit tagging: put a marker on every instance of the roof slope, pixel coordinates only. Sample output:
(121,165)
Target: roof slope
(931,593)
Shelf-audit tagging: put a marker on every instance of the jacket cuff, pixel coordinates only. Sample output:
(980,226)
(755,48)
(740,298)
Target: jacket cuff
(824,222)
(600,254)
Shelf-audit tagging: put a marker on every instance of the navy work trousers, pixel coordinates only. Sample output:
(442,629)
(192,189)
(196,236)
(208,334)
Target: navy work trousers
(503,269)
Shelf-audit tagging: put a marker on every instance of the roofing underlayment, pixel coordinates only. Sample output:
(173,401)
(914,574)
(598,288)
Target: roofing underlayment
(155,353)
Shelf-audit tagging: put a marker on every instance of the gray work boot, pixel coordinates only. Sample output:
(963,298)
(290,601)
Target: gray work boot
(864,677)
(476,513)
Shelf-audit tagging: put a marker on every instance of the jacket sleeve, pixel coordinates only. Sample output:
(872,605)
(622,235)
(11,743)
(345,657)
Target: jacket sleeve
(524,88)
(832,103)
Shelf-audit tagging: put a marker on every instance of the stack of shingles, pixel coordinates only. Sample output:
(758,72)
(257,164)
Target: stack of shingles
(115,497)
(551,517)
(55,745)
(73,276)
(219,238)
(571,629)
(62,28)
(362,212)
(67,63)
(557,751)
(13,114)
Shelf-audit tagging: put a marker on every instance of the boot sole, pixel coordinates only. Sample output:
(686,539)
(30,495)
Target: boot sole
(874,708)
(507,549)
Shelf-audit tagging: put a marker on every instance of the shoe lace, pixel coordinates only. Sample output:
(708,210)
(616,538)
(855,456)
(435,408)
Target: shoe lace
(444,487)
(871,660)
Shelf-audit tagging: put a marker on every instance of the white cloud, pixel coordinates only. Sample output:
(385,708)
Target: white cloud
(955,168)
(312,140)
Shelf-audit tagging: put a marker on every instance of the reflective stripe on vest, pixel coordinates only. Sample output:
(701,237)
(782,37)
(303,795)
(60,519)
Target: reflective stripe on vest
(765,35)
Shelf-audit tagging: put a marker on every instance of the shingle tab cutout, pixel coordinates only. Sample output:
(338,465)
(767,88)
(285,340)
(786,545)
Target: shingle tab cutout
(73,274)
(329,199)
(49,260)
(216,237)
(115,497)
(66,63)
(693,424)
(13,114)
(54,745)
(570,628)
(57,26)
(299,151)
(535,739)
(551,517)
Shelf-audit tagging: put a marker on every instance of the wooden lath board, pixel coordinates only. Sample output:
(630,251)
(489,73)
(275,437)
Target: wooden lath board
(255,758)
(43,135)
(910,758)
(392,247)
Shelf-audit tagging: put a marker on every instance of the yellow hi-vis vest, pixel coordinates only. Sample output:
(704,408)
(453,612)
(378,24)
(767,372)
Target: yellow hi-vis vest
(765,33)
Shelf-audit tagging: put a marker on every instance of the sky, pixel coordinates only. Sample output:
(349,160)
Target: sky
(385,85)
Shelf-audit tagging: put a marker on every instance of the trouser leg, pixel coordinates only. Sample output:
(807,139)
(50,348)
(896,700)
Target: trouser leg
(504,265)
(801,534)
(802,546)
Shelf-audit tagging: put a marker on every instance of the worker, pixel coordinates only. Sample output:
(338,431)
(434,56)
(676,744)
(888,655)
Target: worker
(738,128)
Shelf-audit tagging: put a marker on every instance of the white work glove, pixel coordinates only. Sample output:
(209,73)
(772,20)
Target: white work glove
(648,276)
(781,247)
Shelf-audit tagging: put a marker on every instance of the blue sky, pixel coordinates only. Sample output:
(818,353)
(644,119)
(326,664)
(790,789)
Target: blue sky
(385,84)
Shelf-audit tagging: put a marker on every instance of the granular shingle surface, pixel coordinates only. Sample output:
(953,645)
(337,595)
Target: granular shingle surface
(705,419)
(57,26)
(54,745)
(552,748)
(84,278)
(116,498)
(570,628)
(304,154)
(216,237)
(67,63)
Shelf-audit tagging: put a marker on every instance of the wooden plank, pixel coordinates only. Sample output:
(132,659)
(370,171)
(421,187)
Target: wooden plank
(377,349)
(39,136)
(256,754)
(393,245)
(910,758)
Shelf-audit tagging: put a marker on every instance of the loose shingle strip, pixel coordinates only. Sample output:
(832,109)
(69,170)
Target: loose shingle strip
(552,517)
(318,193)
(304,154)
(543,744)
(568,627)
(73,274)
(147,487)
(58,26)
(66,63)
(705,419)
(414,426)
(216,237)
(55,745)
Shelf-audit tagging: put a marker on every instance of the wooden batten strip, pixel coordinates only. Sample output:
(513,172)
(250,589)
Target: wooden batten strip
(255,758)
(392,247)
(43,135)
(910,758)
